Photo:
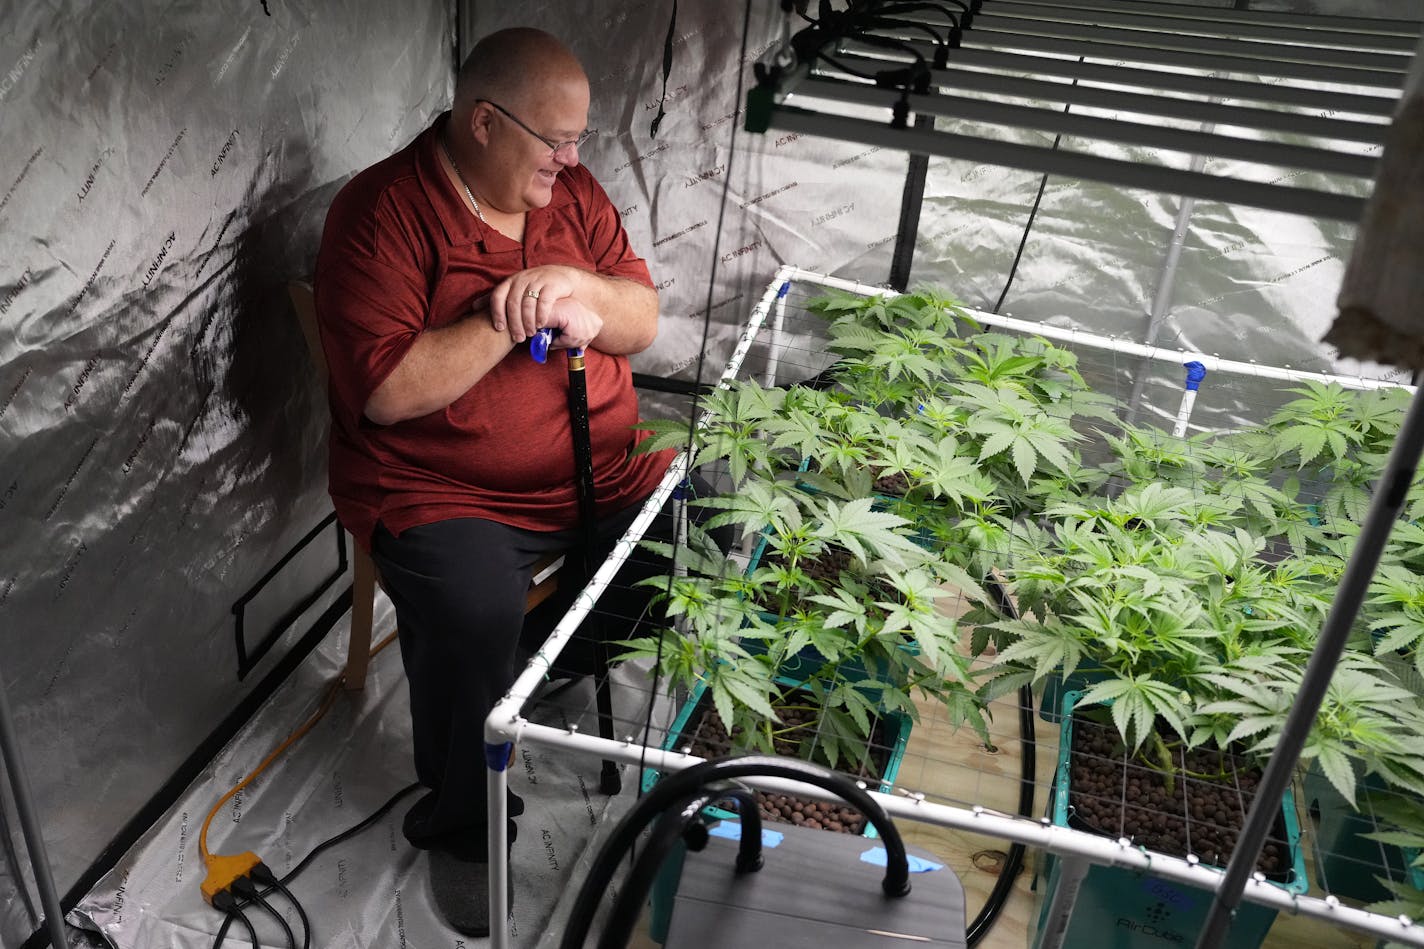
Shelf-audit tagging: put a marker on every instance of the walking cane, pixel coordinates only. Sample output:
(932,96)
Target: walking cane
(610,781)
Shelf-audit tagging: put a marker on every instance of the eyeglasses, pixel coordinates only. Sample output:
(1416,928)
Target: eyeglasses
(554,147)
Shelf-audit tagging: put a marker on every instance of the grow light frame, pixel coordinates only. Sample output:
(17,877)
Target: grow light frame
(507,724)
(1161,52)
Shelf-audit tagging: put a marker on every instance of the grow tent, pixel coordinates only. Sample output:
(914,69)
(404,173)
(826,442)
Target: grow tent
(173,409)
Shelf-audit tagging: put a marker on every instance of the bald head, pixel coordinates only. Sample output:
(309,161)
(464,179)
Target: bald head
(514,67)
(520,110)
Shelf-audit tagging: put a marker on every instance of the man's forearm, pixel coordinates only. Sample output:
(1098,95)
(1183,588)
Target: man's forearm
(629,310)
(440,366)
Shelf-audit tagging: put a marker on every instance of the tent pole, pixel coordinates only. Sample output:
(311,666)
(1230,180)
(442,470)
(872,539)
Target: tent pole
(1166,281)
(1389,496)
(30,825)
(12,854)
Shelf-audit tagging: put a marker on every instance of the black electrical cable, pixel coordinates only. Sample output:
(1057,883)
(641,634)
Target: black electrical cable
(245,889)
(913,6)
(859,74)
(919,70)
(954,38)
(247,923)
(301,914)
(305,862)
(262,874)
(701,365)
(347,834)
(228,904)
(1033,212)
(674,386)
(883,22)
(1023,241)
(667,70)
(832,27)
(1004,885)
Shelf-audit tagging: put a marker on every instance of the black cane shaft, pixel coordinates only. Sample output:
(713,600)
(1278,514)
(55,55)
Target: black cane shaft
(583,488)
(583,451)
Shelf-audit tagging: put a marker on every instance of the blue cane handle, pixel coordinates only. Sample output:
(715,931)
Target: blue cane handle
(539,343)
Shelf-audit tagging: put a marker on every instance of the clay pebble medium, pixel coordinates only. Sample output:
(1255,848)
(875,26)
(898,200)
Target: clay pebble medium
(1118,797)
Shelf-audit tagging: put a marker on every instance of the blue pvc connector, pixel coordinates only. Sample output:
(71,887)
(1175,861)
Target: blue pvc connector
(497,756)
(785,289)
(684,487)
(1196,372)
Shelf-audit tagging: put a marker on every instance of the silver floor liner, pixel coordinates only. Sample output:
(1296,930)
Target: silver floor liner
(372,890)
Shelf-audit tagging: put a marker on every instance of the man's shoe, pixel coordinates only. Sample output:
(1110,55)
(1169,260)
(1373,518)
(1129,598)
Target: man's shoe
(461,891)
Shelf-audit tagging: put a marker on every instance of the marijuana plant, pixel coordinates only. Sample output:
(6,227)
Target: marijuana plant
(1185,579)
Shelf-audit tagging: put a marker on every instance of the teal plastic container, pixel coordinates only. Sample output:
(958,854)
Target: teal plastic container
(897,724)
(1348,863)
(1119,908)
(1055,687)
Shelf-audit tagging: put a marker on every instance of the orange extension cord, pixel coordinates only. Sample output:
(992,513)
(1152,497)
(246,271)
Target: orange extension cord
(224,869)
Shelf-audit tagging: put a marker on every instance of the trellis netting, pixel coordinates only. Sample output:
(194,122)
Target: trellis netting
(928,508)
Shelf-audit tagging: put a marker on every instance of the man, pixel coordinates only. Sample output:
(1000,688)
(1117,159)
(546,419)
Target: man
(450,446)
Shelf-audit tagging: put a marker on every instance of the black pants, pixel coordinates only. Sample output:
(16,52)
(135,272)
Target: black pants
(459,588)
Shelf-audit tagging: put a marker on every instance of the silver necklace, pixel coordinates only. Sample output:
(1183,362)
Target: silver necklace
(468,193)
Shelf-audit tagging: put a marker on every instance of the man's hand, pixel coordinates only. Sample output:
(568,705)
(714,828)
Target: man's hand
(526,301)
(576,323)
(628,310)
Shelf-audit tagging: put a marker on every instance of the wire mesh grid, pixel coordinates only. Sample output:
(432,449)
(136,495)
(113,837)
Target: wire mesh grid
(836,584)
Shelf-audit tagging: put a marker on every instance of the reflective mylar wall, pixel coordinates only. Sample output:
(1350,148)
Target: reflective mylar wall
(164,170)
(1249,285)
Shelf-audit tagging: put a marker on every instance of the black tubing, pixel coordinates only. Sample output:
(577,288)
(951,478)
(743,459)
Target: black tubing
(1003,886)
(673,825)
(896,882)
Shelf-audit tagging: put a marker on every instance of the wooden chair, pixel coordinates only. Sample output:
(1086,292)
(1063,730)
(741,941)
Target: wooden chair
(365,577)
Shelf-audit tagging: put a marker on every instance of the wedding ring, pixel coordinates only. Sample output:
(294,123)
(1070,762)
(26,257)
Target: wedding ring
(532,294)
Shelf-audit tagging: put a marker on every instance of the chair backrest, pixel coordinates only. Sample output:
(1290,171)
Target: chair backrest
(304,302)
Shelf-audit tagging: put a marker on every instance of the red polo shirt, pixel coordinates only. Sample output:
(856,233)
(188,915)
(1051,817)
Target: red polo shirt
(400,254)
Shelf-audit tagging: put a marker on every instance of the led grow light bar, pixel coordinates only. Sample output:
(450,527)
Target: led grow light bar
(1163,55)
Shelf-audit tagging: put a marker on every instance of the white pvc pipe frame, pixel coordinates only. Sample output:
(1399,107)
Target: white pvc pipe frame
(507,725)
